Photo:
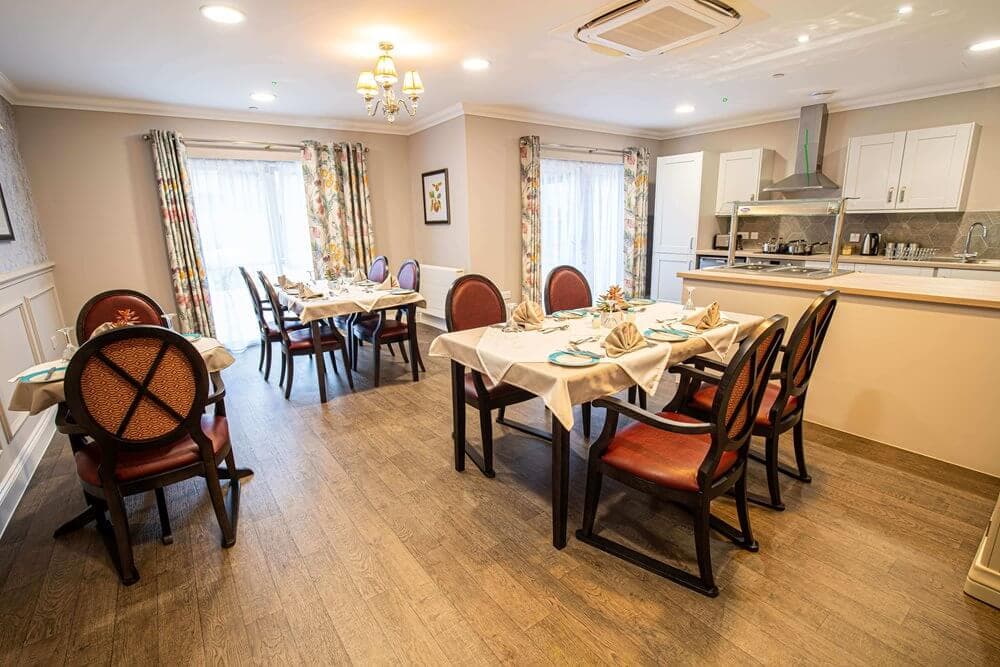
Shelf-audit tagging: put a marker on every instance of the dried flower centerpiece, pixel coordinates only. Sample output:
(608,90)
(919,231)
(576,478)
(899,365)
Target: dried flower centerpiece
(612,306)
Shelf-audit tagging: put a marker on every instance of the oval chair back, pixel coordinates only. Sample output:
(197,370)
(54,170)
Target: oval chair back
(409,275)
(566,288)
(804,343)
(473,301)
(739,395)
(379,270)
(255,298)
(119,306)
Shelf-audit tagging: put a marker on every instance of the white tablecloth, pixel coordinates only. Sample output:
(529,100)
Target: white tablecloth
(355,300)
(520,358)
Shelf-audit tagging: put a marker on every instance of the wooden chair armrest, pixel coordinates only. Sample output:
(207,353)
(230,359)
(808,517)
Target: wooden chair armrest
(65,423)
(692,373)
(621,407)
(220,389)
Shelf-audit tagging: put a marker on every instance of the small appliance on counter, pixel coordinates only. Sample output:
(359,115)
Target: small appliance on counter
(721,242)
(870,244)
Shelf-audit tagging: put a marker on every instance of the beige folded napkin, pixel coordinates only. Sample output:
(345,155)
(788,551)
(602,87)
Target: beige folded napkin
(308,292)
(528,314)
(704,318)
(389,283)
(624,338)
(282,281)
(358,276)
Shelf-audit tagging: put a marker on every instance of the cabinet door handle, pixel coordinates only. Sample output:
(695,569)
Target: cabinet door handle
(689,265)
(691,243)
(753,196)
(888,199)
(902,194)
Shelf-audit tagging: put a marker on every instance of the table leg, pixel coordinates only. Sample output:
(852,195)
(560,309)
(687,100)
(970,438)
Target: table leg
(560,483)
(458,413)
(320,363)
(411,321)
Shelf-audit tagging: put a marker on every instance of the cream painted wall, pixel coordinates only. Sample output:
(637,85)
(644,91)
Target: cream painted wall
(92,178)
(441,147)
(495,188)
(981,106)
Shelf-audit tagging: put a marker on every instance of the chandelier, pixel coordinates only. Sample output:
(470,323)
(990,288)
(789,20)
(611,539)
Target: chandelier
(385,77)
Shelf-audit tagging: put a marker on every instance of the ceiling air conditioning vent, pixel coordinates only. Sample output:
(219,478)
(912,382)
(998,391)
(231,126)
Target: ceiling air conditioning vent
(650,27)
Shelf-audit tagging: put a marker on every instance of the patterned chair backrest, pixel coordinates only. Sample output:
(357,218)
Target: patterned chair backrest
(255,299)
(409,275)
(473,301)
(119,306)
(740,392)
(379,270)
(805,342)
(137,387)
(565,289)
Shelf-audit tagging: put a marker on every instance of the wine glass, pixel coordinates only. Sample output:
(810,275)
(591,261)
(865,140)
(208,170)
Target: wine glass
(689,303)
(169,318)
(65,339)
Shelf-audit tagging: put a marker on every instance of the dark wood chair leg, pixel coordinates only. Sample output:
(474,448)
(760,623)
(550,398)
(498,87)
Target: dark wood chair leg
(631,394)
(743,512)
(773,485)
(347,366)
(800,453)
(219,504)
(377,353)
(501,413)
(166,535)
(284,365)
(392,352)
(355,349)
(402,353)
(591,500)
(289,376)
(267,360)
(415,351)
(458,413)
(333,362)
(585,414)
(486,430)
(703,545)
(123,542)
(642,398)
(260,365)
(234,489)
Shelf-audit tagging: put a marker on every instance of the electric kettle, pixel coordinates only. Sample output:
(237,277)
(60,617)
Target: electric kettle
(870,244)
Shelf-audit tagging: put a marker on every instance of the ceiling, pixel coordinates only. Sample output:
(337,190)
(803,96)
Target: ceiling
(164,57)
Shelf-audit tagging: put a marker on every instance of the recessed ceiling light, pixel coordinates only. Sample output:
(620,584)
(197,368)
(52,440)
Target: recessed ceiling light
(905,9)
(684,108)
(223,14)
(821,94)
(803,39)
(475,64)
(777,75)
(987,45)
(263,96)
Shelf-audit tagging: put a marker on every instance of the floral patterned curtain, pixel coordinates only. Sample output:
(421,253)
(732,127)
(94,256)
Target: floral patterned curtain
(636,219)
(180,230)
(338,204)
(531,219)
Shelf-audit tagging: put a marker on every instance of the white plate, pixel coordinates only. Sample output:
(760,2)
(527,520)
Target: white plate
(664,337)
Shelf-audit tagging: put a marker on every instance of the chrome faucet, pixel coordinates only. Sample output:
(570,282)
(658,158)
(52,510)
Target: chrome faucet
(967,256)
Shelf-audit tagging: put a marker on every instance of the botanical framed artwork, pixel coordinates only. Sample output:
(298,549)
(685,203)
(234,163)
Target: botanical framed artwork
(437,205)
(6,226)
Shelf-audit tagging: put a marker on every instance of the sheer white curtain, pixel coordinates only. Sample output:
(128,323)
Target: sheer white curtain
(582,210)
(250,213)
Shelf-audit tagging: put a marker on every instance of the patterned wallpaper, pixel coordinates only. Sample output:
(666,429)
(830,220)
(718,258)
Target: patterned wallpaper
(27,248)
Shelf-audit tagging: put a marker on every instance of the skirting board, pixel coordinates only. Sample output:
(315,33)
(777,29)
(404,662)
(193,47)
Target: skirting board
(983,581)
(431,320)
(16,481)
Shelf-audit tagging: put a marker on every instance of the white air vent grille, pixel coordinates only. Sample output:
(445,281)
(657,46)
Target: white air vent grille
(650,27)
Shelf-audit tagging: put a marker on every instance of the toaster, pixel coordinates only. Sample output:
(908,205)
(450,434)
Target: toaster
(721,242)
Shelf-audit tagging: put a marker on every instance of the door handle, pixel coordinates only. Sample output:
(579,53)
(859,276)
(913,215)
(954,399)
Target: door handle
(888,199)
(691,243)
(902,194)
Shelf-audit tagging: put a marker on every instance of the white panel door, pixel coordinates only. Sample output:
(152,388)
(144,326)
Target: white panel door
(933,167)
(872,173)
(739,178)
(677,206)
(664,283)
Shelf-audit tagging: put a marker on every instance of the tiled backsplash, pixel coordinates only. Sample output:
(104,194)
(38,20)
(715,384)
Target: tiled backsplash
(946,231)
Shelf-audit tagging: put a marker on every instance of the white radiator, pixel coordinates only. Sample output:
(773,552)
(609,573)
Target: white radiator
(435,281)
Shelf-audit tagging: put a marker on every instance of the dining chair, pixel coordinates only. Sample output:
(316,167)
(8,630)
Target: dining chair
(783,404)
(681,460)
(381,330)
(377,272)
(268,333)
(566,288)
(138,397)
(119,306)
(297,341)
(472,302)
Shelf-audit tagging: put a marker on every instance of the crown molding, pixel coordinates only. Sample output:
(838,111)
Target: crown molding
(502,113)
(436,118)
(7,89)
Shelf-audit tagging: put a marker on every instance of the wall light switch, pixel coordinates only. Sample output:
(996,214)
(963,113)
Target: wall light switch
(754,235)
(854,238)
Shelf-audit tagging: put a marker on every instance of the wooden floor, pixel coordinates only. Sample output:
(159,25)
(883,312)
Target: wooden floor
(358,542)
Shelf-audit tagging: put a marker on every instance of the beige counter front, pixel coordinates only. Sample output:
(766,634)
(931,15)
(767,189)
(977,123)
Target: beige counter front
(912,362)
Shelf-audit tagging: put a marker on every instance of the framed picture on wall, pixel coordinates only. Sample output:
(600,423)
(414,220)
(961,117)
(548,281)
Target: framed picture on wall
(437,206)
(6,227)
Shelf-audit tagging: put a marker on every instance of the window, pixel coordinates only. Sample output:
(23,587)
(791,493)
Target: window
(250,213)
(583,225)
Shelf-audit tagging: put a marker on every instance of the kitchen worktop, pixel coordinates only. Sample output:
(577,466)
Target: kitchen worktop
(986,265)
(975,293)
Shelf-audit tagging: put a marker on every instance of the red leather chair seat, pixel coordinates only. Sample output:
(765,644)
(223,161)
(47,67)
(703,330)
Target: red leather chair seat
(495,391)
(662,457)
(301,339)
(702,401)
(139,463)
(392,328)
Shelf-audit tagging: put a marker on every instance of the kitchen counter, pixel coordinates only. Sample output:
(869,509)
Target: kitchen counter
(986,265)
(974,293)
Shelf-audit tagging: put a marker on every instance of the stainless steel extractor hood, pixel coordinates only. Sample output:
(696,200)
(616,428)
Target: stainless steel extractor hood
(808,177)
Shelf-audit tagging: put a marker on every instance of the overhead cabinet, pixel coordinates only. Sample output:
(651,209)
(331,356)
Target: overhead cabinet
(742,177)
(919,170)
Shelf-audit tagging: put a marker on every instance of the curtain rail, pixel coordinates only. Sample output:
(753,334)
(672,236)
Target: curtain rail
(582,149)
(239,143)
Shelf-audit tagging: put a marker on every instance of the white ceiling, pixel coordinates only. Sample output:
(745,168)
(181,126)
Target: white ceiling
(164,57)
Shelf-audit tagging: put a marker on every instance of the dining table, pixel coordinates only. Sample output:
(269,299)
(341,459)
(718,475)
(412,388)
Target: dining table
(522,358)
(331,300)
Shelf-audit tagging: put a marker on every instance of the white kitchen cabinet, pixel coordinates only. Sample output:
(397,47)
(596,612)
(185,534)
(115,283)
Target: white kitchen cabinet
(682,218)
(918,170)
(967,274)
(742,176)
(896,269)
(873,171)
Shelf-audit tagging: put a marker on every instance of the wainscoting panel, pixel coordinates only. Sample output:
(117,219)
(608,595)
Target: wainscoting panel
(30,315)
